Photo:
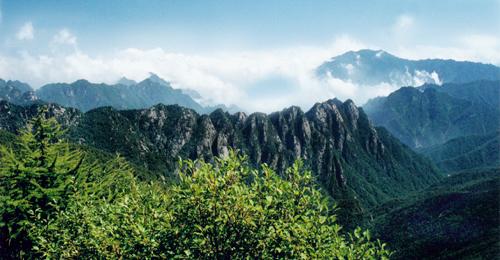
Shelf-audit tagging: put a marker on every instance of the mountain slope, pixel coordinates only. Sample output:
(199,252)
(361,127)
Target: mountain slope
(355,162)
(467,152)
(433,115)
(455,219)
(370,67)
(483,91)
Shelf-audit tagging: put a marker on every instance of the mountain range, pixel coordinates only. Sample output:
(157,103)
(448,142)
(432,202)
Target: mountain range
(454,124)
(84,95)
(457,126)
(359,165)
(432,114)
(374,67)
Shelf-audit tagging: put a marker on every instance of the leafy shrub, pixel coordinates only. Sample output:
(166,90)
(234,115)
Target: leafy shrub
(228,209)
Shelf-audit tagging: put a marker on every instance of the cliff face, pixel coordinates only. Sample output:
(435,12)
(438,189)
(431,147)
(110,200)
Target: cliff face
(335,139)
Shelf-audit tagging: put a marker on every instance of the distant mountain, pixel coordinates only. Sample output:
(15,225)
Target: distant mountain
(357,164)
(125,94)
(85,96)
(432,115)
(370,67)
(457,218)
(196,96)
(16,92)
(230,109)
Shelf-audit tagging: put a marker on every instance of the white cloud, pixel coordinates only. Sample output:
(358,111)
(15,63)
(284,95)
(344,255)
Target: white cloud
(232,77)
(479,48)
(421,77)
(64,37)
(350,68)
(226,77)
(403,23)
(26,32)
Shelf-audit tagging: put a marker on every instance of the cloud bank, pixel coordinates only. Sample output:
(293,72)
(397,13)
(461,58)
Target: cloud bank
(265,80)
(226,77)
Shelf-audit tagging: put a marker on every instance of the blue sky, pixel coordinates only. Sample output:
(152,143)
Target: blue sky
(219,47)
(198,26)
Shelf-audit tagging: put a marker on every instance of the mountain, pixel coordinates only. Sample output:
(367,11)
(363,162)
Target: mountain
(125,94)
(85,96)
(432,115)
(370,67)
(359,165)
(456,218)
(195,95)
(230,109)
(16,92)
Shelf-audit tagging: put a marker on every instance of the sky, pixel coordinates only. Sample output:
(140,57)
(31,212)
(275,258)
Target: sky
(257,54)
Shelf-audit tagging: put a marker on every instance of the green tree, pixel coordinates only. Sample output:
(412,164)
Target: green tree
(41,179)
(36,180)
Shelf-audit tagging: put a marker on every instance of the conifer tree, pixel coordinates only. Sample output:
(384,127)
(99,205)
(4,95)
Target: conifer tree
(36,180)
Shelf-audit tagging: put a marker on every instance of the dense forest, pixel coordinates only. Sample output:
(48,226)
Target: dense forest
(60,201)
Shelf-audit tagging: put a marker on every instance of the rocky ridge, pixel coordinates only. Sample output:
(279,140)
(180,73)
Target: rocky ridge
(352,159)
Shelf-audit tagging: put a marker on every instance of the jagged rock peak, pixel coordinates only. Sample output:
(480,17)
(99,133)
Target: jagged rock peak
(351,111)
(335,101)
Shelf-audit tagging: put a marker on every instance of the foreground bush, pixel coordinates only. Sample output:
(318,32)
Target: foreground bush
(228,209)
(224,209)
